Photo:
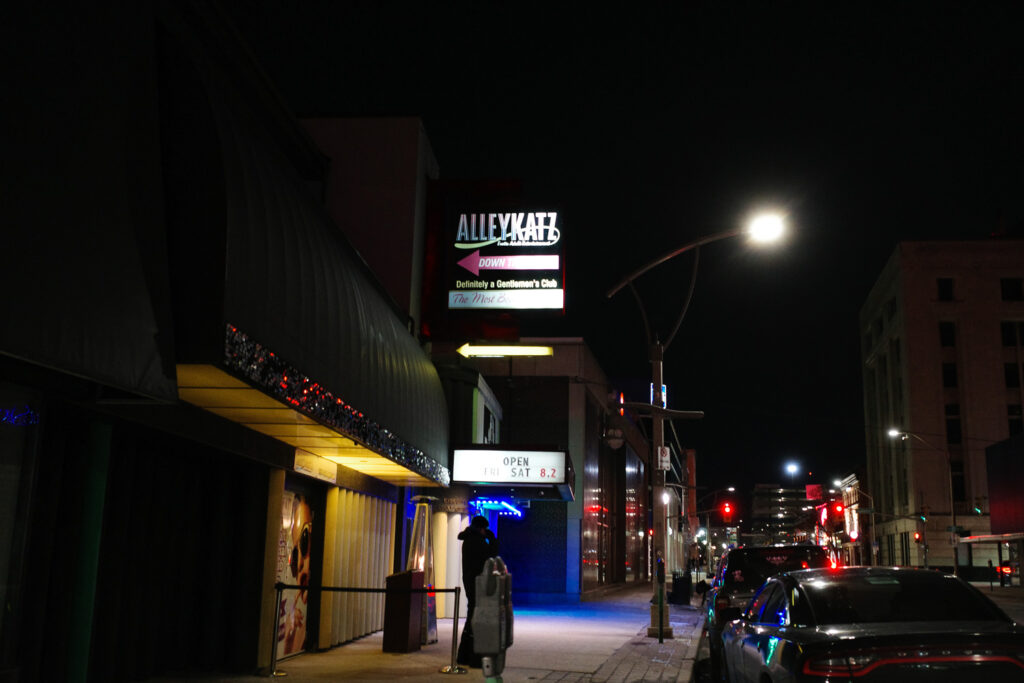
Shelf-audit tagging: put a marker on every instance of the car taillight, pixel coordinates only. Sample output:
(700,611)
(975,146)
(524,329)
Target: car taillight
(835,666)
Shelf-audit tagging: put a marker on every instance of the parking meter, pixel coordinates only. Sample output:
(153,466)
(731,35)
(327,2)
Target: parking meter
(492,617)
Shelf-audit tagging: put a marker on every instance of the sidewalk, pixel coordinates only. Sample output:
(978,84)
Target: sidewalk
(1009,598)
(599,641)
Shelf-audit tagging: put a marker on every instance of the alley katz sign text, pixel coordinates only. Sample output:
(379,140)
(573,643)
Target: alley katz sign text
(523,229)
(507,260)
(487,466)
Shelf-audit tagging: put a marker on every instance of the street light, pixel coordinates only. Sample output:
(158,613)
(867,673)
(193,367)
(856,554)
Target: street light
(903,436)
(791,468)
(761,229)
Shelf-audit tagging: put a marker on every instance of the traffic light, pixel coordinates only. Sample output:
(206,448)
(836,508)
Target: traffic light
(917,537)
(837,520)
(924,513)
(726,512)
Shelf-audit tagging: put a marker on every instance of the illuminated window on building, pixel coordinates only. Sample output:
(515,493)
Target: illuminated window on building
(1012,288)
(947,334)
(945,288)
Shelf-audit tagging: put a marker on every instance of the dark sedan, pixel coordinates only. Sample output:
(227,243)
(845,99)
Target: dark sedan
(741,571)
(872,624)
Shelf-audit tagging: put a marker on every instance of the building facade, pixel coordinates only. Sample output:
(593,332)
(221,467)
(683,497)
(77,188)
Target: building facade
(204,389)
(561,550)
(942,358)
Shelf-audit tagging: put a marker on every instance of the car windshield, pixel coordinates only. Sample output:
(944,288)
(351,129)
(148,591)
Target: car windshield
(749,568)
(850,598)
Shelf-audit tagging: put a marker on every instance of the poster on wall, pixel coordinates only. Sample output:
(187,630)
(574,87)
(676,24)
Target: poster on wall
(506,260)
(293,568)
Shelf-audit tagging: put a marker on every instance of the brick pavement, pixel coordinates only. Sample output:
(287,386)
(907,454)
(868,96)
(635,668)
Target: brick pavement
(603,641)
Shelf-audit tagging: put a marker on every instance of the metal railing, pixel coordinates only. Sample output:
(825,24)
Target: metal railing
(453,668)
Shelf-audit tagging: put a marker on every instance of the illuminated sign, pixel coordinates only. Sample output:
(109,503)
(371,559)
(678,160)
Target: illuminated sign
(487,466)
(507,260)
(19,417)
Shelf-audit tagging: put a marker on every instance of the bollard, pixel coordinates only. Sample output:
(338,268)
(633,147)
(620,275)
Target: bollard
(277,625)
(661,599)
(454,668)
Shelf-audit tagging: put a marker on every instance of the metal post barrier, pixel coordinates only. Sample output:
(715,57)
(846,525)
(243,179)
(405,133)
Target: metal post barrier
(452,669)
(277,624)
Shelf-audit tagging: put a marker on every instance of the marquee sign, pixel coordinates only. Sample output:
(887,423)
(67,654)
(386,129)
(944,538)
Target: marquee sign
(492,466)
(507,260)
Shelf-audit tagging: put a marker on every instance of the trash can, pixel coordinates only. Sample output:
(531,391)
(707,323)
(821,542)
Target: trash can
(682,588)
(402,612)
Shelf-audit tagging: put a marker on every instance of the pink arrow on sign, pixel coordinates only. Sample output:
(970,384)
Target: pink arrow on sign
(474,263)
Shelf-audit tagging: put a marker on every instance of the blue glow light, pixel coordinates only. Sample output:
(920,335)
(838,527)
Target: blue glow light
(504,508)
(19,417)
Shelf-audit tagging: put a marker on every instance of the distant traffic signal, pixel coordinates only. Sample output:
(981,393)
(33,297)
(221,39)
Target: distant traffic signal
(917,537)
(726,512)
(837,520)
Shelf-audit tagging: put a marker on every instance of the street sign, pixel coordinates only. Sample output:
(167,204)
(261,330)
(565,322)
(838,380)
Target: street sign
(664,458)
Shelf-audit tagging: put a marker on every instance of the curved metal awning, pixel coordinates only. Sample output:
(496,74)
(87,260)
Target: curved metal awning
(304,322)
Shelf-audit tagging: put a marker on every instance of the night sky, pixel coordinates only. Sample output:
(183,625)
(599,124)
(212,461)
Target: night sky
(650,129)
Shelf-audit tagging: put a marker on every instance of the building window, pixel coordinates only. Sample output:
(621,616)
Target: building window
(949,375)
(1012,288)
(1010,332)
(945,287)
(1015,418)
(1012,372)
(953,433)
(947,334)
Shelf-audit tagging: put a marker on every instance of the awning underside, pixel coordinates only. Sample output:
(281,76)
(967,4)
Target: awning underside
(213,389)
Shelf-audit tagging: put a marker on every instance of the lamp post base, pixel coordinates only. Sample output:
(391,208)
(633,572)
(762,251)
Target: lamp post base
(666,629)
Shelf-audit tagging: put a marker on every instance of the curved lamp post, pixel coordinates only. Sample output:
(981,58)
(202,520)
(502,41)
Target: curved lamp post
(903,436)
(761,229)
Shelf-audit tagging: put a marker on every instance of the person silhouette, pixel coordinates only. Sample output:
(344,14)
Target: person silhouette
(478,544)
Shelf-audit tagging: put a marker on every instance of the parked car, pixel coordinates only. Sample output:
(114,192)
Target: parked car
(741,571)
(872,624)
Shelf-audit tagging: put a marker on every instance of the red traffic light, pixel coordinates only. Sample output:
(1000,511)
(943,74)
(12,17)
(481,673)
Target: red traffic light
(838,508)
(726,512)
(917,537)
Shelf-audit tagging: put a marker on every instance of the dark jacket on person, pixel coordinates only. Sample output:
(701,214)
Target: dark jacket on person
(477,546)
